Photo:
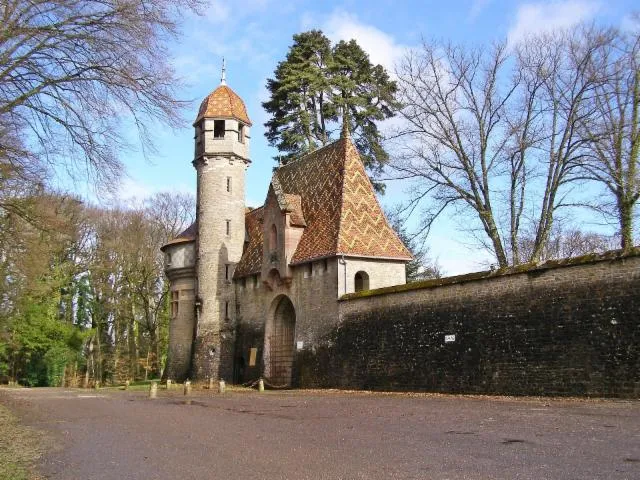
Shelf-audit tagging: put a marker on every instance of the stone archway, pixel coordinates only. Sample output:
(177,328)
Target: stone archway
(280,335)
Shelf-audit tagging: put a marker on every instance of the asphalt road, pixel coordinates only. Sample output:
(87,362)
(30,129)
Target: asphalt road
(329,435)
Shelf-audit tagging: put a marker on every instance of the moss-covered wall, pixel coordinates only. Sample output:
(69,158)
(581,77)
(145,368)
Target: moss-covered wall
(565,328)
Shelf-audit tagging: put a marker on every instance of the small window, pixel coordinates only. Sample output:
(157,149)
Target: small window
(255,281)
(240,133)
(361,281)
(228,227)
(229,184)
(175,295)
(226,310)
(218,129)
(273,238)
(243,282)
(227,272)
(325,265)
(168,257)
(308,270)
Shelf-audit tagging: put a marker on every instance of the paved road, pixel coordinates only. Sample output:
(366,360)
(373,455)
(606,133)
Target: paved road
(312,435)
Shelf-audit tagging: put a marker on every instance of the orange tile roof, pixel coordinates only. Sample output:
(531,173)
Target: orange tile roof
(251,261)
(223,103)
(338,205)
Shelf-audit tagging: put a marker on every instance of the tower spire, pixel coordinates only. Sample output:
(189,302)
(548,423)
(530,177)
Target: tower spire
(223,77)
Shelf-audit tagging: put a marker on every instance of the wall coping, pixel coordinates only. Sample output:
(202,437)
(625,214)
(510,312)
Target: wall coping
(525,268)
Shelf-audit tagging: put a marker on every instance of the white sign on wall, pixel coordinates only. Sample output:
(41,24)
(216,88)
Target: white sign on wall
(299,345)
(449,338)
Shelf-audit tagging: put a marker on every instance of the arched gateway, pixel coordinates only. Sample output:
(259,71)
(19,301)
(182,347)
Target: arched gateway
(279,339)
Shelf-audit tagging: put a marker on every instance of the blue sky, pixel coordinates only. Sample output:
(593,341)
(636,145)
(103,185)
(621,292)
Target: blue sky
(253,35)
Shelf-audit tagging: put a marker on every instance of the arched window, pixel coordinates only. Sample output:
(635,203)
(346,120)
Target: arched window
(273,238)
(361,281)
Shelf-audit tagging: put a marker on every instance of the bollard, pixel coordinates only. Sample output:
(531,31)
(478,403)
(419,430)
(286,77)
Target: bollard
(96,385)
(153,390)
(168,384)
(221,386)
(210,383)
(126,385)
(187,388)
(261,385)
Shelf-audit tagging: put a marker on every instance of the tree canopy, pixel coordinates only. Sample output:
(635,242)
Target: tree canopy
(73,73)
(317,87)
(512,138)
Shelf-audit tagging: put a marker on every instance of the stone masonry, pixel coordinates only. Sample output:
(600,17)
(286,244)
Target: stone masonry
(562,328)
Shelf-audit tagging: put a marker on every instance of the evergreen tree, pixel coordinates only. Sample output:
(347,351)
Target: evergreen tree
(313,89)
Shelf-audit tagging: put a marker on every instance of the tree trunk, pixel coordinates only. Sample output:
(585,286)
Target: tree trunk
(626,224)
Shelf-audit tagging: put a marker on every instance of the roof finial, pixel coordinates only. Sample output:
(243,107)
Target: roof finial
(223,78)
(345,123)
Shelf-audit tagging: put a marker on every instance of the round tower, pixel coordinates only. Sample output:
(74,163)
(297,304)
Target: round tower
(179,266)
(221,158)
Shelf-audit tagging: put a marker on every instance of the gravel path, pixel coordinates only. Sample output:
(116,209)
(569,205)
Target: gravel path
(329,435)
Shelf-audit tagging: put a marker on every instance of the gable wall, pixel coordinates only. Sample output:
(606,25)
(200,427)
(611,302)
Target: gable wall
(382,273)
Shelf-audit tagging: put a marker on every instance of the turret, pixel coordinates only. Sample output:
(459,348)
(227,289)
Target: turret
(221,158)
(179,265)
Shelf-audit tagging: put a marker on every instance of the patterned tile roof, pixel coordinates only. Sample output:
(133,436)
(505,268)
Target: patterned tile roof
(251,261)
(223,103)
(339,207)
(188,235)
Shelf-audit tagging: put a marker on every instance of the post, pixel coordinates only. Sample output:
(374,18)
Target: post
(153,390)
(168,384)
(187,388)
(210,383)
(261,385)
(221,386)
(126,384)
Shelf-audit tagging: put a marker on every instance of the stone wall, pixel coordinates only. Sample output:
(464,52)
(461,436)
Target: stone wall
(563,328)
(181,327)
(381,273)
(313,292)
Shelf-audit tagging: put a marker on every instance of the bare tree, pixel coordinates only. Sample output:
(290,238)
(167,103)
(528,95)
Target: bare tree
(493,132)
(72,72)
(614,131)
(563,64)
(569,242)
(454,141)
(171,213)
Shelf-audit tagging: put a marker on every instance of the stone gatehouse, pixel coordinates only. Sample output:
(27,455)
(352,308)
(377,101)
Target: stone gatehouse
(309,290)
(250,287)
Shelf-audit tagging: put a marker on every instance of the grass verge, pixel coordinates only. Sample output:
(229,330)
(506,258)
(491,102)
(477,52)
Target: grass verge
(20,447)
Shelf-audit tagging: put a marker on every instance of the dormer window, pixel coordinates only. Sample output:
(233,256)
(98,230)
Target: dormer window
(218,129)
(240,133)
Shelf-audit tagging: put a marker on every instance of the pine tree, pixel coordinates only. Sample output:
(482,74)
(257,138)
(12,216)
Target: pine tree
(313,89)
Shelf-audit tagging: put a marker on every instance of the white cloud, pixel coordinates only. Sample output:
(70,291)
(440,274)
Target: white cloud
(477,7)
(543,17)
(217,11)
(630,23)
(133,191)
(381,47)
